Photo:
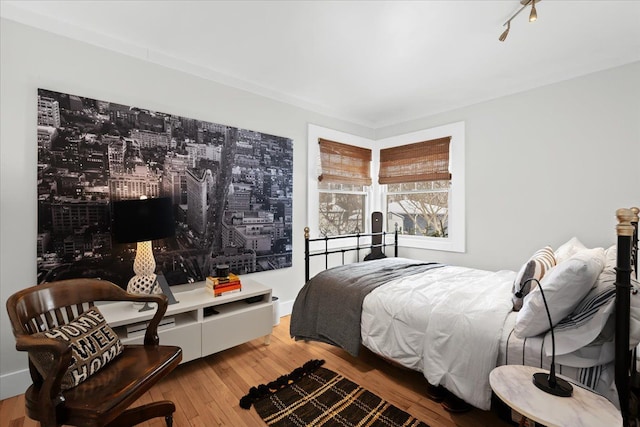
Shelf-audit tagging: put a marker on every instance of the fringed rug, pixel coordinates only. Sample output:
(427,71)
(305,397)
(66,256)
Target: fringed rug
(315,396)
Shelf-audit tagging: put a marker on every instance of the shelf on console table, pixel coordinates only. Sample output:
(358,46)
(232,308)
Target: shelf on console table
(196,332)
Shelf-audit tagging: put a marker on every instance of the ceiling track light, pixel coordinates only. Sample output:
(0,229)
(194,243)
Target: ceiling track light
(504,35)
(533,16)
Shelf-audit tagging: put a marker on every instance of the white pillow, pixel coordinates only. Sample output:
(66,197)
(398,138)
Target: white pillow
(565,285)
(634,321)
(588,319)
(568,249)
(610,260)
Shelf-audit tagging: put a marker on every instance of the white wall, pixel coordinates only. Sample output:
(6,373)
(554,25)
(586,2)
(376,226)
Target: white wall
(545,165)
(541,166)
(32,59)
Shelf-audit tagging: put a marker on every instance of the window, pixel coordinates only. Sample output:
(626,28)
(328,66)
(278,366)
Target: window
(419,208)
(418,181)
(419,186)
(342,210)
(346,172)
(339,182)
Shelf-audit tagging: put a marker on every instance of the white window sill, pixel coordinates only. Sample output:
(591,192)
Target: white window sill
(448,244)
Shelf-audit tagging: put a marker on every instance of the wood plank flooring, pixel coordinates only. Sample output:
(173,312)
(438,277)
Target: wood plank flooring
(206,391)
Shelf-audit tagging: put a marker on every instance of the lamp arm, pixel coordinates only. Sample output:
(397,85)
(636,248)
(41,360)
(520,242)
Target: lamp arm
(552,371)
(548,382)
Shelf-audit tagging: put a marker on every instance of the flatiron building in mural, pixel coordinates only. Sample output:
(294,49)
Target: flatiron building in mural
(231,190)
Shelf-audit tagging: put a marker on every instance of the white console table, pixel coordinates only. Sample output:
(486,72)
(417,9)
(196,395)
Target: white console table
(201,323)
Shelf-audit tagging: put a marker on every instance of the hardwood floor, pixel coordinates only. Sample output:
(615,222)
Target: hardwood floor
(206,391)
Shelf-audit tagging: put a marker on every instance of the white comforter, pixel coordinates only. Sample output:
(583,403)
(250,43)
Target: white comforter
(446,323)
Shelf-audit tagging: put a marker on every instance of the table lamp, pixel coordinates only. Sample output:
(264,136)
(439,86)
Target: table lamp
(142,221)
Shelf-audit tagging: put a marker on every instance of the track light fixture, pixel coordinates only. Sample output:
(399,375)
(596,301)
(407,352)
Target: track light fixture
(533,16)
(504,35)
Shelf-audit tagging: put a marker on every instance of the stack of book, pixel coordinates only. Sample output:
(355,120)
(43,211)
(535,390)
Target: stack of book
(224,285)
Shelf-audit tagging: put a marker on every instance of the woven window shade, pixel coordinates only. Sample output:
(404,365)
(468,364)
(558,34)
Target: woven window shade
(344,164)
(422,161)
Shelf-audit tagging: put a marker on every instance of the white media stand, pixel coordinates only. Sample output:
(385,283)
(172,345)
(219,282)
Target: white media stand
(199,322)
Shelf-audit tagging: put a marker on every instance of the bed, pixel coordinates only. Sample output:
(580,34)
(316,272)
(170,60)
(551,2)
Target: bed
(455,324)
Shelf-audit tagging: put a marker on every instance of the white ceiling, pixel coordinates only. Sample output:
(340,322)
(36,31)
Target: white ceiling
(374,63)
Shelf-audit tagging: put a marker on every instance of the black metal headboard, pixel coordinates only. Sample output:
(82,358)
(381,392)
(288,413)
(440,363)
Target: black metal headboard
(381,237)
(627,230)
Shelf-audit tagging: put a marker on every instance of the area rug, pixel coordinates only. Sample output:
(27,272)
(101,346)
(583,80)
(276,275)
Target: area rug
(315,396)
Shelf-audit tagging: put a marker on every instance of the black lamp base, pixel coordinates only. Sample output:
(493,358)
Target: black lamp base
(562,387)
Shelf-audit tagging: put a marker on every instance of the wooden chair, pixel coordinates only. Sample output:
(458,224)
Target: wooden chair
(104,398)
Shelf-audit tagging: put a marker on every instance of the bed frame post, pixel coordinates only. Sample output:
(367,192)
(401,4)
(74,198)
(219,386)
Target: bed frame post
(395,242)
(634,248)
(625,231)
(306,254)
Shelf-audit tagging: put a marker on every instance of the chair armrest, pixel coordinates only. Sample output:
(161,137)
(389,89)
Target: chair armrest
(30,343)
(50,390)
(151,335)
(60,351)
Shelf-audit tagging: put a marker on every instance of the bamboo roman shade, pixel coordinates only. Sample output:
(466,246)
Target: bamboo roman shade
(344,164)
(422,161)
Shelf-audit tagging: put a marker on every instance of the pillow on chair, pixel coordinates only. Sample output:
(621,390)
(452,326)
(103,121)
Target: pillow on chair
(93,345)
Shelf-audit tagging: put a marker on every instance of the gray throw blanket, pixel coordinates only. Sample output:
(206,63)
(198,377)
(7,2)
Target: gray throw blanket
(329,306)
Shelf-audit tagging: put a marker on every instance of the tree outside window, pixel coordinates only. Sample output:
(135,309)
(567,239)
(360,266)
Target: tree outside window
(342,213)
(419,208)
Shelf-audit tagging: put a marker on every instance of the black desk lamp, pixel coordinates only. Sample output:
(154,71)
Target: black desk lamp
(142,221)
(548,382)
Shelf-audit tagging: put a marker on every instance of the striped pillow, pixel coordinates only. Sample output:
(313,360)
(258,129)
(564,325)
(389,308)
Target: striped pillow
(539,263)
(587,320)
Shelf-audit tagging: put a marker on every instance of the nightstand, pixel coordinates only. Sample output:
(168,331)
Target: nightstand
(513,384)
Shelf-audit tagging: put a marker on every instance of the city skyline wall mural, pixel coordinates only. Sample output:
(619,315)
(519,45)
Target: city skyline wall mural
(231,191)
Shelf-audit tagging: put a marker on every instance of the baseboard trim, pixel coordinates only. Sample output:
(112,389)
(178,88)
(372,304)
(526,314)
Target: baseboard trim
(286,308)
(14,383)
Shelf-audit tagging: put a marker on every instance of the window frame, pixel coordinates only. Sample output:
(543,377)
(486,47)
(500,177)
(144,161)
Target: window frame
(456,240)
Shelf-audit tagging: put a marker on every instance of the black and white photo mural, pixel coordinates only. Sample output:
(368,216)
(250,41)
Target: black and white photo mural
(231,191)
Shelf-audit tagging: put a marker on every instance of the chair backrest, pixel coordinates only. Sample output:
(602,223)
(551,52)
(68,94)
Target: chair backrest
(42,307)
